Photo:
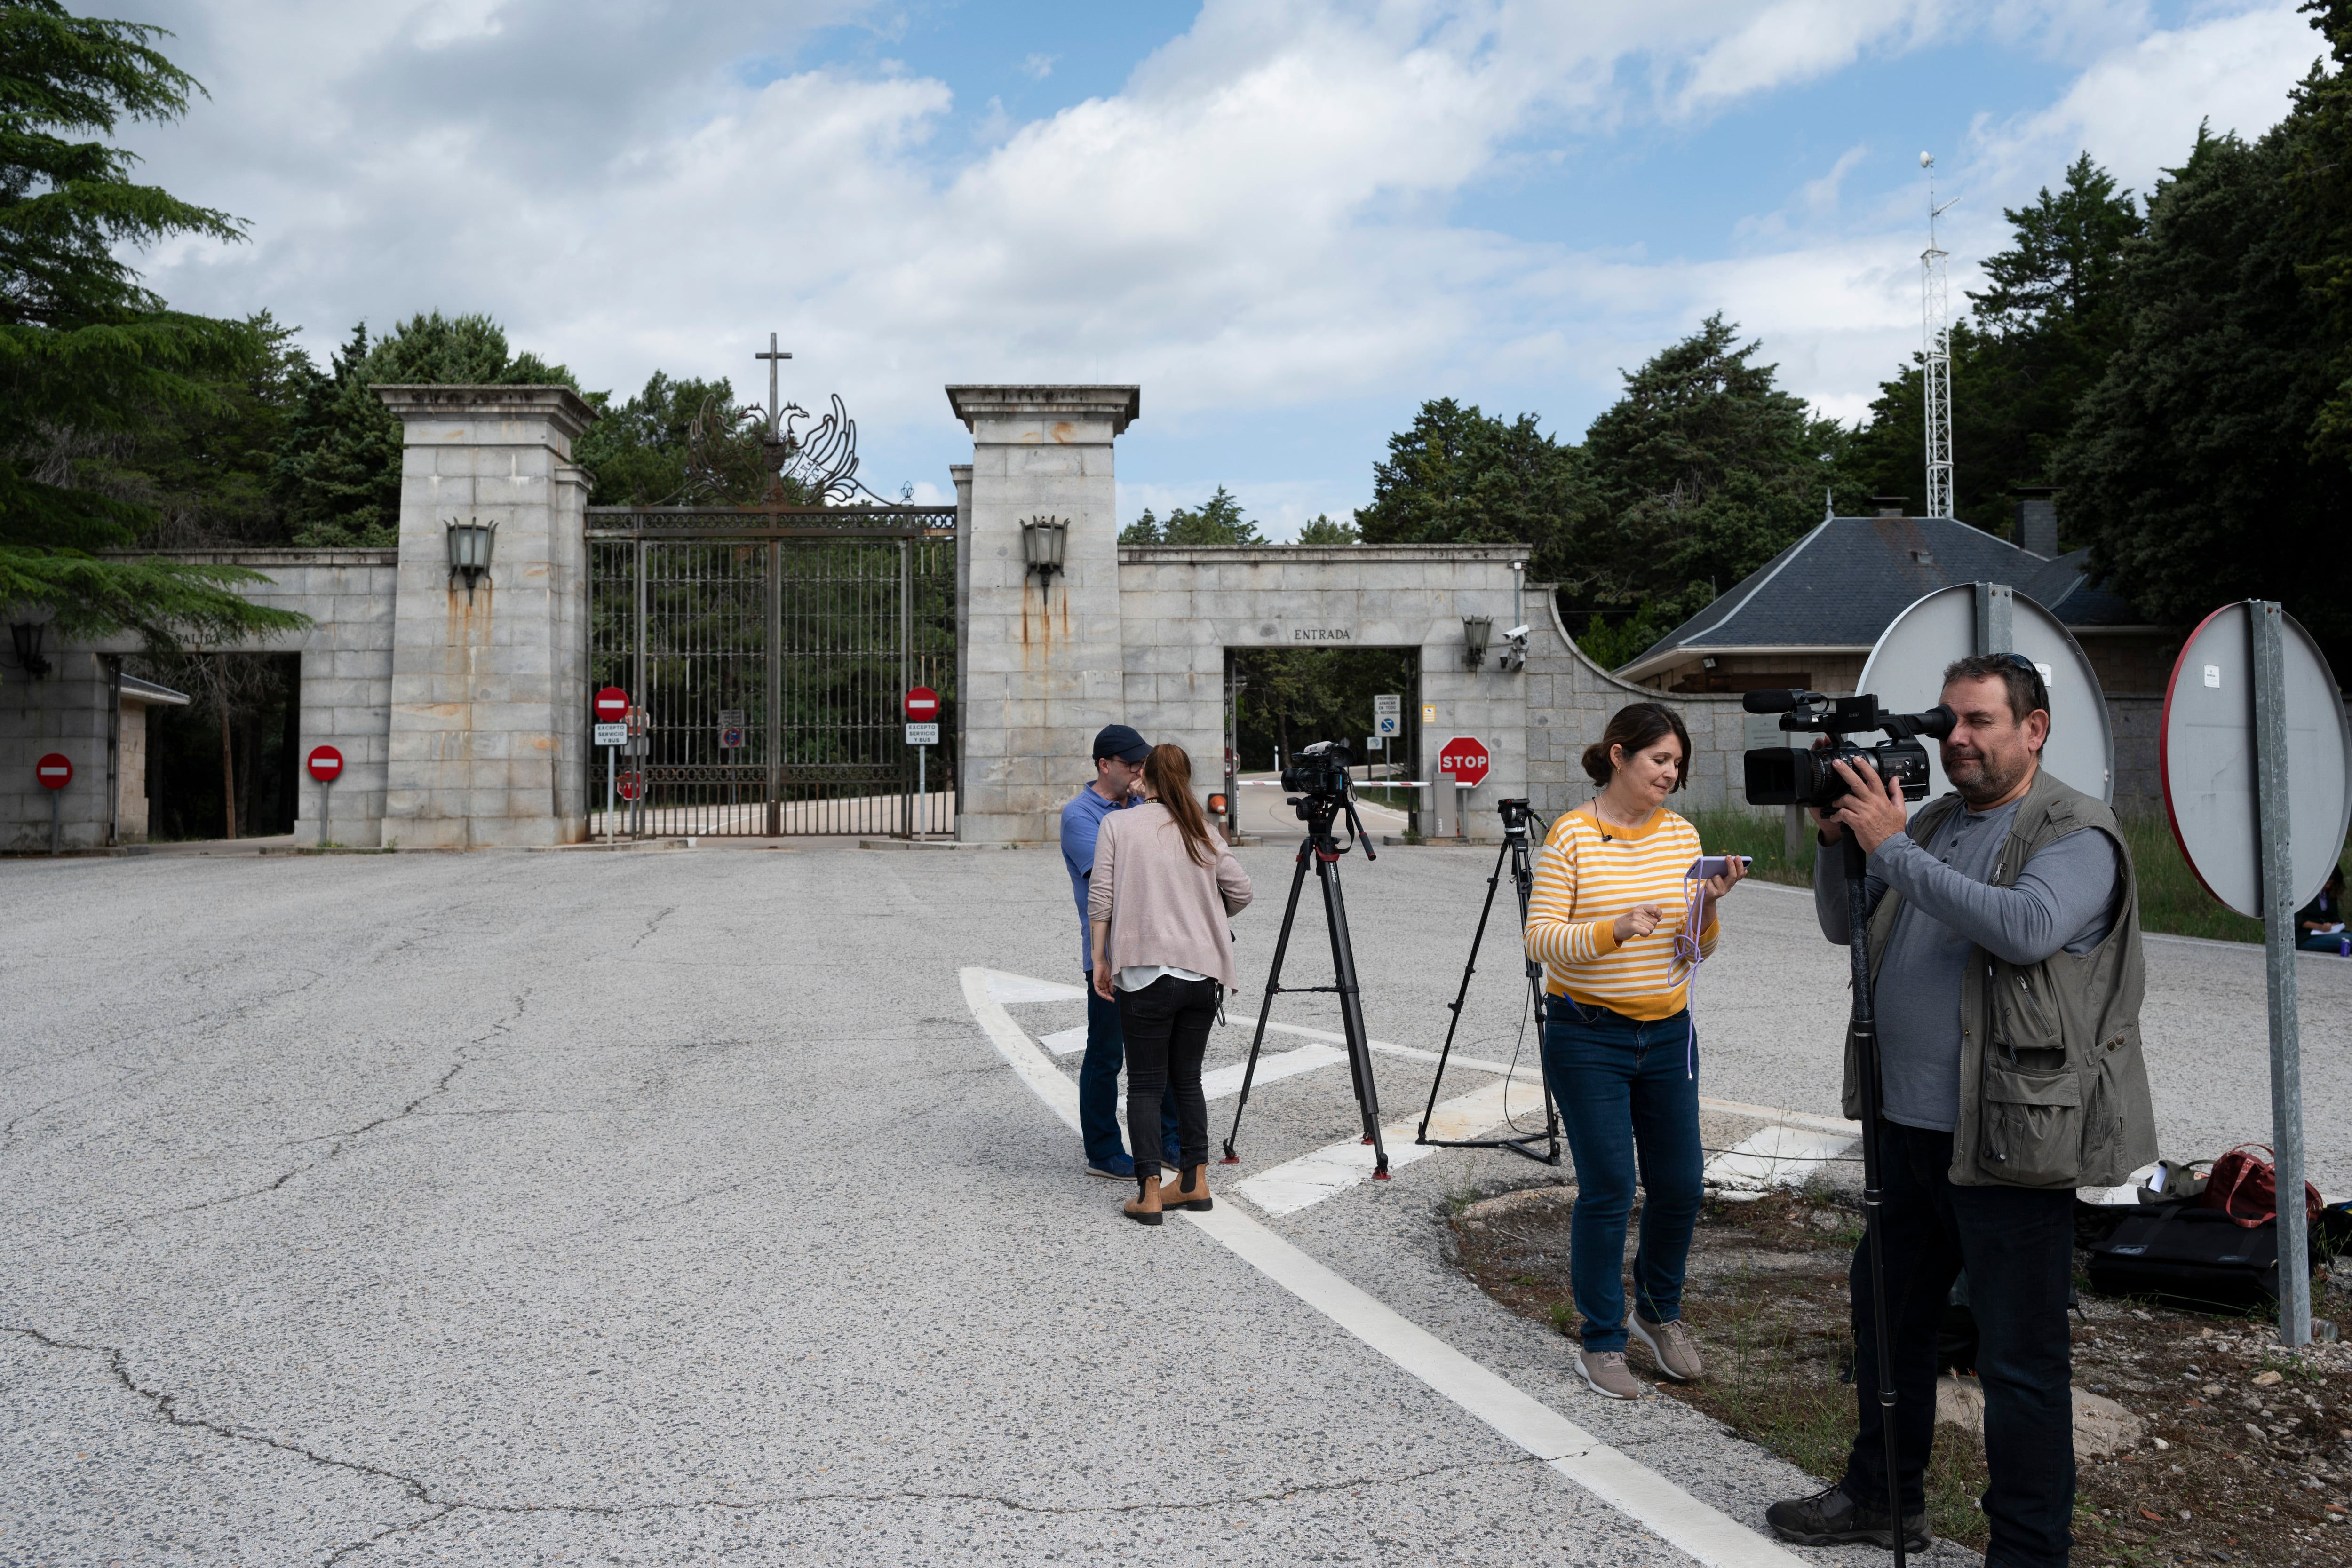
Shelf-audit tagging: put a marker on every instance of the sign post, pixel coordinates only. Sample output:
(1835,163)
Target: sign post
(2255,755)
(53,771)
(326,765)
(922,706)
(1388,721)
(612,710)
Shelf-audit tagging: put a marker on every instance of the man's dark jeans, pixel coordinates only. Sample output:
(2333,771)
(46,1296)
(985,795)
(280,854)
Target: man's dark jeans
(1098,1088)
(2019,1249)
(1167,1026)
(1625,1089)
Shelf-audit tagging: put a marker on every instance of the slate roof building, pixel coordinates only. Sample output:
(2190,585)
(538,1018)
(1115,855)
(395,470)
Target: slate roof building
(1810,616)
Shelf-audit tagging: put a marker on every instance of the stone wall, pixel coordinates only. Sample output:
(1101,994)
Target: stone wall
(1181,607)
(1570,699)
(489,685)
(345,696)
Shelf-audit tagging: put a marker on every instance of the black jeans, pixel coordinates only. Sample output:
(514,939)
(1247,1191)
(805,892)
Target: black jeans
(2019,1249)
(1167,1026)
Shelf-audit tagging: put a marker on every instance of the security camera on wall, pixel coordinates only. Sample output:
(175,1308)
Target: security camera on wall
(1516,633)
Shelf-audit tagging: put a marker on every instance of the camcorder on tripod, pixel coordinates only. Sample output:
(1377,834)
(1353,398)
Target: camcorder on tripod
(1786,775)
(1325,793)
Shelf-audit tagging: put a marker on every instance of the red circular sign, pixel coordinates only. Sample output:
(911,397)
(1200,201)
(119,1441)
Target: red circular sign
(1465,757)
(922,704)
(611,704)
(55,771)
(630,785)
(326,763)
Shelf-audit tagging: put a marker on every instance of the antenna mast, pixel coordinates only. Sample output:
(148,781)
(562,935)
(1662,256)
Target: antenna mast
(1937,366)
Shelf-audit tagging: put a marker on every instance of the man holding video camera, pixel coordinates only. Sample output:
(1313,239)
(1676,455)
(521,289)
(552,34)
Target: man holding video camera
(2004,949)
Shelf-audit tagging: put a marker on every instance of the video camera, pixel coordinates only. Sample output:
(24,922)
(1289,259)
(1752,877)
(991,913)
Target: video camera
(1793,776)
(1320,769)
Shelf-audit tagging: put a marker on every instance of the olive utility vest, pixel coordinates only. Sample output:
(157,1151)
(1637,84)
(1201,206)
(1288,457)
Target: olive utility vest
(2053,1091)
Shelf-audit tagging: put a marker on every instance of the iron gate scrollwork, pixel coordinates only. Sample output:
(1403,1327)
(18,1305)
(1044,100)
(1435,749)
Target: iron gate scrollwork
(794,630)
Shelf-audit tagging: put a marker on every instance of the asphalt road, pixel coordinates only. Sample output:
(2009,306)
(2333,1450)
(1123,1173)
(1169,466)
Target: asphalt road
(662,1207)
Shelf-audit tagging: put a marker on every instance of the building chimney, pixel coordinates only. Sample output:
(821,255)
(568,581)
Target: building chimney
(1890,506)
(2036,527)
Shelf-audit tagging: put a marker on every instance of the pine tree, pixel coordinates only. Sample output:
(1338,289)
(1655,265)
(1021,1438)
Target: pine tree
(1458,475)
(89,356)
(1218,521)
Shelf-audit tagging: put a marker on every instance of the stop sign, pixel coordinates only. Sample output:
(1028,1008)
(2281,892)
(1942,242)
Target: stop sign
(1465,757)
(55,771)
(922,704)
(326,763)
(631,786)
(611,704)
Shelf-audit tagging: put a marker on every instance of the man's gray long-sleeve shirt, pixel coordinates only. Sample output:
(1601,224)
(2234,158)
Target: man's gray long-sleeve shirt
(2064,898)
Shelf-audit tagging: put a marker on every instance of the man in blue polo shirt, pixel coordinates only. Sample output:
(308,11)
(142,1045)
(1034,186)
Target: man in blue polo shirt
(1117,784)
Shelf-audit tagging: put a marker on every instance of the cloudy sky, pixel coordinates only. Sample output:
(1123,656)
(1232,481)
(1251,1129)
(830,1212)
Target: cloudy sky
(1290,221)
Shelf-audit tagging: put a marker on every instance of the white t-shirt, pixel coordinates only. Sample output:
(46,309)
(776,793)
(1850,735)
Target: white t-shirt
(1135,976)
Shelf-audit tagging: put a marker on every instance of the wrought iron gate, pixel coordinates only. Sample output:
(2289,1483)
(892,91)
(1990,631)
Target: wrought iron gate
(768,650)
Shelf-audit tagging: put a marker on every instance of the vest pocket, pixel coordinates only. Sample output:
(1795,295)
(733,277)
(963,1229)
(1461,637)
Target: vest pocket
(2033,1124)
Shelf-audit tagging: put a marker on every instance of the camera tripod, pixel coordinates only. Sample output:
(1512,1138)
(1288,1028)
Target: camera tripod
(1863,1028)
(1523,878)
(1320,849)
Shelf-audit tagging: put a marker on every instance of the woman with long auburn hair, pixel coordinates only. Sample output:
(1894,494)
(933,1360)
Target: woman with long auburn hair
(1163,887)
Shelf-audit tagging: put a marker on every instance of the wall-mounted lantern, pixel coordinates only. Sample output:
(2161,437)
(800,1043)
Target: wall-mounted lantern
(1043,540)
(1476,631)
(470,551)
(27,624)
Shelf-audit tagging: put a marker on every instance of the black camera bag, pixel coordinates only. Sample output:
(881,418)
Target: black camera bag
(2196,1258)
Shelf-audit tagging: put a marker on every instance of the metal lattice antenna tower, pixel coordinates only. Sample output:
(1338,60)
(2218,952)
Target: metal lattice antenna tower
(1937,330)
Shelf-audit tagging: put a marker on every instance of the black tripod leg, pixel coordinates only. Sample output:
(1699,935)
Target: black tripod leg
(1865,1041)
(1469,967)
(1272,989)
(1523,877)
(1351,1012)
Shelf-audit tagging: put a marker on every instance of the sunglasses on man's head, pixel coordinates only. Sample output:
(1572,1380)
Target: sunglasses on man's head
(2040,691)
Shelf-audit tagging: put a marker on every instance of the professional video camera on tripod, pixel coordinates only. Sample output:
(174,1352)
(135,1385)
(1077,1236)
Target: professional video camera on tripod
(1788,776)
(1325,793)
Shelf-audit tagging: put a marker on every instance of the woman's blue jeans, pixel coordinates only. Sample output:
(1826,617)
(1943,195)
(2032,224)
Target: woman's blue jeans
(1627,1088)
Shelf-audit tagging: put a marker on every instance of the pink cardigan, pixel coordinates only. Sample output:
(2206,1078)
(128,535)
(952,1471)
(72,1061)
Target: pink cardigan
(1165,907)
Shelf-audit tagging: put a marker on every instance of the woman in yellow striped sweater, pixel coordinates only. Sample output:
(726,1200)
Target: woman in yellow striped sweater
(1611,920)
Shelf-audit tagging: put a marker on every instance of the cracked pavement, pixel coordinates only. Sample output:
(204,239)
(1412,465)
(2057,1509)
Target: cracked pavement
(671,1207)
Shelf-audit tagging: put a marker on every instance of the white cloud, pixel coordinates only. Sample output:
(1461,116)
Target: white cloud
(1037,68)
(1258,220)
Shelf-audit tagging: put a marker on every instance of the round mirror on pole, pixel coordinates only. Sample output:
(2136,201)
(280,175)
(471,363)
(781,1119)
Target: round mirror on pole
(1905,673)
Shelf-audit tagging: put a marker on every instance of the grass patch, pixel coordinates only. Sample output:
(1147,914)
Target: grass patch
(2171,900)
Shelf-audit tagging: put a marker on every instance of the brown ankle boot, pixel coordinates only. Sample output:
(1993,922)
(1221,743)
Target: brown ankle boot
(1191,1190)
(1144,1207)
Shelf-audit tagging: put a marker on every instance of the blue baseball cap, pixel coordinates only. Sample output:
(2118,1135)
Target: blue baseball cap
(1118,740)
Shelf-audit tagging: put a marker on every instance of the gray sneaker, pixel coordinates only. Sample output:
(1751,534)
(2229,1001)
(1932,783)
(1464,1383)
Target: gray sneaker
(1607,1372)
(1671,1342)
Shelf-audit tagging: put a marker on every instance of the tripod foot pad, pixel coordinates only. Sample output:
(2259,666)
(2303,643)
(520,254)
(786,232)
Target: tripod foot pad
(1380,1175)
(1231,1160)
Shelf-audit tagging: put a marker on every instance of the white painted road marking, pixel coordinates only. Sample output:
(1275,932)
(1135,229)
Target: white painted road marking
(1776,1156)
(1310,1178)
(1219,1083)
(1706,1535)
(1061,1042)
(1022,988)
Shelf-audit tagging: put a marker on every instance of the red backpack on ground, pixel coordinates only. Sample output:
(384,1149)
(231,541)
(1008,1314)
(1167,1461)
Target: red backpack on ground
(2246,1188)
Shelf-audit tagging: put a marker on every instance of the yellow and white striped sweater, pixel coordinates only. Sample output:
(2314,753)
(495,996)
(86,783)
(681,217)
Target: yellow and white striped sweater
(1587,875)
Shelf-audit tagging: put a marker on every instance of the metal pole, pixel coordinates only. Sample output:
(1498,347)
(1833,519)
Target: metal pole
(1995,617)
(1864,1024)
(638,697)
(923,788)
(612,827)
(906,663)
(53,819)
(2278,955)
(325,790)
(775,740)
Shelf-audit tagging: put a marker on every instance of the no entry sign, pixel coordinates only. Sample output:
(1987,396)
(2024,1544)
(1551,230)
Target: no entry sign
(326,763)
(611,704)
(1465,757)
(55,771)
(922,704)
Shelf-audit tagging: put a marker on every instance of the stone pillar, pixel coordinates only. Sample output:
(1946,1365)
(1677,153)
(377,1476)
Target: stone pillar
(1043,669)
(489,694)
(960,475)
